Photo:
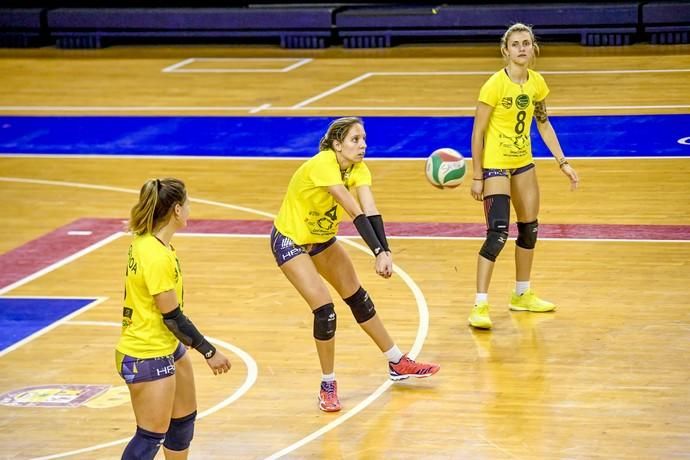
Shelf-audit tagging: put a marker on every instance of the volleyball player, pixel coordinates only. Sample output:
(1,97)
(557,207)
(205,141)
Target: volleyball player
(151,353)
(504,171)
(333,184)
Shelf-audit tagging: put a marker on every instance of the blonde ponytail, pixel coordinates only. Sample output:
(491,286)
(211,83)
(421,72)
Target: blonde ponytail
(157,198)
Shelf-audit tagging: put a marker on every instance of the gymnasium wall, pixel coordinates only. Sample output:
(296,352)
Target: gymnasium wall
(79,24)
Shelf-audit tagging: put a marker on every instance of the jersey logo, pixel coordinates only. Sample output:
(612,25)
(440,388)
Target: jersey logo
(324,223)
(520,142)
(332,213)
(507,102)
(522,101)
(131,263)
(126,316)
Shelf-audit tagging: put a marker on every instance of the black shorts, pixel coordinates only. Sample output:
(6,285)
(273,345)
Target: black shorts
(136,370)
(493,172)
(285,249)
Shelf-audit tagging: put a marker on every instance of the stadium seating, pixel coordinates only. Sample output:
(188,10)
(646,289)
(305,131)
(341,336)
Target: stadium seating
(601,24)
(666,22)
(307,27)
(21,27)
(358,25)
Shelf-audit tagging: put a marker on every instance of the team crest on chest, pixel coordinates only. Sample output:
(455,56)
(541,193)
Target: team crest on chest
(507,102)
(522,101)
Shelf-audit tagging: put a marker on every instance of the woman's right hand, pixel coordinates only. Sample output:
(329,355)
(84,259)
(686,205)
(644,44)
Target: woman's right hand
(384,264)
(477,189)
(218,363)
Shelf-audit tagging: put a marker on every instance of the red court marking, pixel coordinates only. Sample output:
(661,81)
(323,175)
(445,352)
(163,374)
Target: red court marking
(53,247)
(57,245)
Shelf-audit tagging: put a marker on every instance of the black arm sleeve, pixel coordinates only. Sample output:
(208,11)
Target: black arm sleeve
(368,234)
(187,333)
(377,223)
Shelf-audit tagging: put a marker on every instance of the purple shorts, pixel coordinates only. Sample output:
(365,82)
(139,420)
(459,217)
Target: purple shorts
(490,172)
(284,248)
(136,370)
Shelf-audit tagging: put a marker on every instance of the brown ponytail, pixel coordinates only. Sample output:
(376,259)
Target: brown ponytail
(337,131)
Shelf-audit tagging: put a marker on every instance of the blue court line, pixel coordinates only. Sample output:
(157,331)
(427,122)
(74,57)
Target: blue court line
(21,317)
(388,137)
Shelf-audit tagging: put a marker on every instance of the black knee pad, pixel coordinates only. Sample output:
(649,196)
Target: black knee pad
(143,446)
(361,305)
(527,234)
(180,432)
(324,322)
(497,210)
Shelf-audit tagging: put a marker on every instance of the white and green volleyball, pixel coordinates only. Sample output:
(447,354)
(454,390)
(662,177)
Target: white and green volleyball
(445,168)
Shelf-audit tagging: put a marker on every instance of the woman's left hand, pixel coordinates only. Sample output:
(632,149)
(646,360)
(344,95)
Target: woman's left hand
(572,175)
(384,264)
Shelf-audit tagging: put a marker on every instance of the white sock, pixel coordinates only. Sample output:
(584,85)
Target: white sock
(521,287)
(328,377)
(481,297)
(394,355)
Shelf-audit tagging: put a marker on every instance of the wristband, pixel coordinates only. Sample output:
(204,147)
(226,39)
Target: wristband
(368,234)
(185,331)
(377,224)
(206,349)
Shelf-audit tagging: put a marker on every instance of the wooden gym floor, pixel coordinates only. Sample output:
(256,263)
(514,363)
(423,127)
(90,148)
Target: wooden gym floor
(606,376)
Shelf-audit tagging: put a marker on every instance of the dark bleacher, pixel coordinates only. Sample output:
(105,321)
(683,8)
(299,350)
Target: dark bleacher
(666,22)
(352,24)
(21,27)
(305,27)
(600,24)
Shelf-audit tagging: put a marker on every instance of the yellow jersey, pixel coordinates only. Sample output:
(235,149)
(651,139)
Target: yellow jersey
(152,268)
(309,213)
(507,140)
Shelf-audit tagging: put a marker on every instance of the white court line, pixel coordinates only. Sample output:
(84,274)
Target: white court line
(250,59)
(252,370)
(297,64)
(302,107)
(422,308)
(347,84)
(229,71)
(422,331)
(543,72)
(441,238)
(356,80)
(260,108)
(252,373)
(339,421)
(173,67)
(61,263)
(473,108)
(541,238)
(177,68)
(271,216)
(304,158)
(116,108)
(125,190)
(68,297)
